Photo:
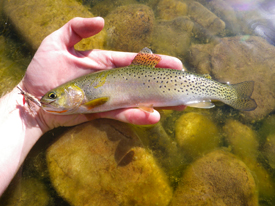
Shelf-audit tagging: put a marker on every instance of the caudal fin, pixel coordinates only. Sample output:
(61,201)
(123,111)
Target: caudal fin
(244,91)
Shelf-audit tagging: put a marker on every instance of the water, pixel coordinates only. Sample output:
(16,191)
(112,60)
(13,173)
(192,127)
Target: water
(187,157)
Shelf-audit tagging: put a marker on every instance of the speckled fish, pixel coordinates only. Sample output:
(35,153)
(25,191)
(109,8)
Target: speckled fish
(141,85)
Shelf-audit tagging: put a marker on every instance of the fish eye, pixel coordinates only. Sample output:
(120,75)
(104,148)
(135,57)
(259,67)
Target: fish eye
(52,95)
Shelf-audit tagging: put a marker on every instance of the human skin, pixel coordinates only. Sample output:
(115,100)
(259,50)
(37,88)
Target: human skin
(56,62)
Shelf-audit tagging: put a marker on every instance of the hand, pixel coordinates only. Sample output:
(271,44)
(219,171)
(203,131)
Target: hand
(56,62)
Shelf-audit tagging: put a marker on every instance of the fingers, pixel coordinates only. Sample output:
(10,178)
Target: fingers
(79,28)
(102,59)
(133,116)
(170,62)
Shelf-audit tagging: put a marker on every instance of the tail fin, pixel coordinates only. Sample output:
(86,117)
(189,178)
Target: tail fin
(244,91)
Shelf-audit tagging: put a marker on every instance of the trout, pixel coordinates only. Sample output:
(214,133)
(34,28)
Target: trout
(141,85)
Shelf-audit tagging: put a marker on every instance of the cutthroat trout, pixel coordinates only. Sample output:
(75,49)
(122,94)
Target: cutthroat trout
(141,85)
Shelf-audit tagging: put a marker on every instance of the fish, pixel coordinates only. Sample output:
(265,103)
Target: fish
(142,85)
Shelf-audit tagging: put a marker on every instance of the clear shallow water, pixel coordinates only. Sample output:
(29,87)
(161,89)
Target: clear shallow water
(232,41)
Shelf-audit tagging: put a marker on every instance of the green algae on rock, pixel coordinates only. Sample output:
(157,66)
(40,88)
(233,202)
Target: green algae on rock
(25,192)
(11,72)
(267,139)
(269,150)
(243,141)
(196,134)
(164,148)
(129,27)
(218,178)
(36,19)
(103,163)
(267,127)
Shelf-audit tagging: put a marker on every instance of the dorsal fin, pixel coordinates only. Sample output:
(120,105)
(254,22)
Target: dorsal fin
(146,50)
(146,58)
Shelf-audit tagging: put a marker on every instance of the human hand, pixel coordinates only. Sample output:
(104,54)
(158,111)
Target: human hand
(56,62)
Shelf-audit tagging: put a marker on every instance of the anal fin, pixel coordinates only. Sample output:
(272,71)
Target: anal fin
(207,104)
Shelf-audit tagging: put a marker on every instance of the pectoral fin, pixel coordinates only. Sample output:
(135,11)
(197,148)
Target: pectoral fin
(200,104)
(96,102)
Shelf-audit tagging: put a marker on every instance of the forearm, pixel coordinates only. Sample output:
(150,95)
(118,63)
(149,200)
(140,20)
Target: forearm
(19,132)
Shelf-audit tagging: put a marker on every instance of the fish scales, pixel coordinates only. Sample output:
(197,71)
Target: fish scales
(144,86)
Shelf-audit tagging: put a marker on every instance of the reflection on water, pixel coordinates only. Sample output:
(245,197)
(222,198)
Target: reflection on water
(205,157)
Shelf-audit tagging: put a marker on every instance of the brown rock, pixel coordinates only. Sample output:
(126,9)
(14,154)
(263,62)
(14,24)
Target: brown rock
(239,59)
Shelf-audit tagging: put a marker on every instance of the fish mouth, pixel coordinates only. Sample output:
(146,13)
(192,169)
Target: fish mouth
(47,103)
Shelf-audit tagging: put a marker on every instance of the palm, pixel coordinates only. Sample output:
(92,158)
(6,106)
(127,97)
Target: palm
(56,62)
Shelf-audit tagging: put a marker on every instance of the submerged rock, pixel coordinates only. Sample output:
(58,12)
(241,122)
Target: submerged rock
(36,19)
(267,138)
(196,134)
(12,69)
(103,163)
(25,192)
(267,128)
(164,148)
(168,34)
(269,150)
(243,141)
(170,9)
(205,18)
(239,59)
(218,178)
(129,27)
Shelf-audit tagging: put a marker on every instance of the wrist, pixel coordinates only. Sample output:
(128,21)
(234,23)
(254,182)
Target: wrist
(19,132)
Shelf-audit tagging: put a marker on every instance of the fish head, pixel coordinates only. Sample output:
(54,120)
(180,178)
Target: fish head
(63,99)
